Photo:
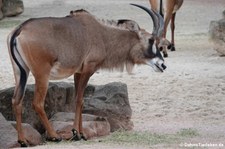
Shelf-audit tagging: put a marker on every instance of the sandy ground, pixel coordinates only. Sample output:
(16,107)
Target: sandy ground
(189,94)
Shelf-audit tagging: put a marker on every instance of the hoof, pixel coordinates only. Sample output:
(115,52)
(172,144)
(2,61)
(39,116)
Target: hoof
(22,143)
(77,137)
(53,139)
(173,47)
(83,137)
(169,46)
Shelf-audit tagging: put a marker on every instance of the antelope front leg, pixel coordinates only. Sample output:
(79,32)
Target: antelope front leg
(80,84)
(41,86)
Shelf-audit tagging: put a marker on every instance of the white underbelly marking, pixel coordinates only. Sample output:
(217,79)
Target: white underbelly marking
(58,72)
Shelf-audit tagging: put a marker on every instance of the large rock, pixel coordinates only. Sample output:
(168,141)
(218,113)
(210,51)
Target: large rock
(217,35)
(93,126)
(8,134)
(12,7)
(110,101)
(1,13)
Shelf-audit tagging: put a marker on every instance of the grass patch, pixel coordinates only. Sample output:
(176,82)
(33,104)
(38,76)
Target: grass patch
(9,23)
(149,139)
(140,138)
(189,132)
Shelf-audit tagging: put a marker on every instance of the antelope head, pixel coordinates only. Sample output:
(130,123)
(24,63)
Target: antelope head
(152,55)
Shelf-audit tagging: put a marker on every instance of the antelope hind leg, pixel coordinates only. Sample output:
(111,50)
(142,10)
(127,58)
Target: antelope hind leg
(21,75)
(41,86)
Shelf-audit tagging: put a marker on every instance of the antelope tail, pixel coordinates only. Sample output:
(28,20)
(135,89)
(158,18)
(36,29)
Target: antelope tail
(20,68)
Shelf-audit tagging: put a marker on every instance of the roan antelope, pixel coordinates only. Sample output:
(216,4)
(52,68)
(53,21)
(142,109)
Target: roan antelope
(78,44)
(168,11)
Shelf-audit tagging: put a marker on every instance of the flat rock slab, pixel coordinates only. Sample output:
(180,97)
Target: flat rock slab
(93,126)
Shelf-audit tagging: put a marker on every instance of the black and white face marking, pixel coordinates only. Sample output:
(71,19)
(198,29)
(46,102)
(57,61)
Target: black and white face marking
(153,50)
(157,62)
(157,52)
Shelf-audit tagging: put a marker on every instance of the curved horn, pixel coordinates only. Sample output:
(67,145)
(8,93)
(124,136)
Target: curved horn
(157,20)
(161,24)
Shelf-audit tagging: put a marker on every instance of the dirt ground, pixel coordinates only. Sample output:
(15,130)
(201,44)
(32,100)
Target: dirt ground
(189,94)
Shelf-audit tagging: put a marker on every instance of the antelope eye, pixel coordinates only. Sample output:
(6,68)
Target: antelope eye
(160,48)
(151,40)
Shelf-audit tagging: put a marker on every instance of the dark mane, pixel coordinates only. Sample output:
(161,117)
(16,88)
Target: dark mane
(75,12)
(122,21)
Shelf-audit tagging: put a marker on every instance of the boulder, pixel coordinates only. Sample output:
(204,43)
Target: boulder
(8,137)
(12,7)
(217,35)
(1,13)
(93,126)
(110,101)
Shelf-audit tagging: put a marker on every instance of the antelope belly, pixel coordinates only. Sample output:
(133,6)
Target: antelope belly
(58,72)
